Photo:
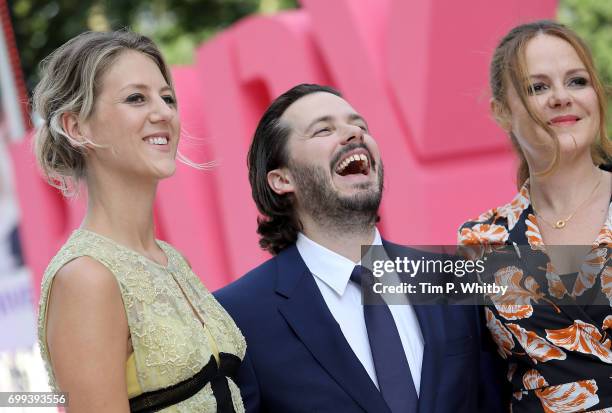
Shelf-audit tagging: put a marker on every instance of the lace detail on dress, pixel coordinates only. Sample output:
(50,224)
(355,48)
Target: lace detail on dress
(169,341)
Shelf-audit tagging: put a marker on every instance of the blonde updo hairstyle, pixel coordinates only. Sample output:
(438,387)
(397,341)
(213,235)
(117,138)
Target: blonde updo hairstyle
(70,83)
(509,69)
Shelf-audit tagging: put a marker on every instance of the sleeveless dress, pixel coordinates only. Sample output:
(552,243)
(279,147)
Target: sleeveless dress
(558,341)
(179,331)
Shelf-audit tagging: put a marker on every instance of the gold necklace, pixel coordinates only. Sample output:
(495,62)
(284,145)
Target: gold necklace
(561,223)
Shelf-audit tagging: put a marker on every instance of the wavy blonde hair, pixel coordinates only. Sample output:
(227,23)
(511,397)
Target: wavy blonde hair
(70,83)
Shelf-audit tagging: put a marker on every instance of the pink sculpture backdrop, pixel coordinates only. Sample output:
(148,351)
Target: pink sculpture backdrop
(417,70)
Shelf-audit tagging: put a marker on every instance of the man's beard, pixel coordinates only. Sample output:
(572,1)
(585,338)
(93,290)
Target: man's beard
(316,197)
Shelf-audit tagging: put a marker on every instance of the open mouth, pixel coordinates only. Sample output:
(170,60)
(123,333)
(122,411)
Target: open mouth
(354,164)
(156,140)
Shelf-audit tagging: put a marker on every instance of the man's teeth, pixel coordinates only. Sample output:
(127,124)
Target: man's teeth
(158,140)
(352,158)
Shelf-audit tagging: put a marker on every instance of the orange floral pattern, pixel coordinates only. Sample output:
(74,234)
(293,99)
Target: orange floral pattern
(547,366)
(570,397)
(564,398)
(515,208)
(607,323)
(485,234)
(532,380)
(485,216)
(481,239)
(515,303)
(582,337)
(535,346)
(501,335)
(555,285)
(591,266)
(533,233)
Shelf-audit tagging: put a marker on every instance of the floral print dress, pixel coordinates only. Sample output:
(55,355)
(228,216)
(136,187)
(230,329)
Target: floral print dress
(559,356)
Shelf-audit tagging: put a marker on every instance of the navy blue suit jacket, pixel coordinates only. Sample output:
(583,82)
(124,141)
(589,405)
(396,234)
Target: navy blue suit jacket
(298,360)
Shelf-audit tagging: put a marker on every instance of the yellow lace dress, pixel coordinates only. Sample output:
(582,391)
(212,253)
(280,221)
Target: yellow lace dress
(178,329)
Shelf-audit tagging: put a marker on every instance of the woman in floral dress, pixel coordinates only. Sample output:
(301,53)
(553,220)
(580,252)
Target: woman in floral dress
(554,323)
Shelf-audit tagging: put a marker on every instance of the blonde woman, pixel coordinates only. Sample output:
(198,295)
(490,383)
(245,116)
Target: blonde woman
(124,324)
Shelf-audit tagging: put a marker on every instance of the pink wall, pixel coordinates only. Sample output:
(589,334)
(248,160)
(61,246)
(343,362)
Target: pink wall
(417,70)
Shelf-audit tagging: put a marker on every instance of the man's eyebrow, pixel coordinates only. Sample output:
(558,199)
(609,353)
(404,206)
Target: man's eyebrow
(351,118)
(325,118)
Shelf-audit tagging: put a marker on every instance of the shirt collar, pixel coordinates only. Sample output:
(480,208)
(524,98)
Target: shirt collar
(331,268)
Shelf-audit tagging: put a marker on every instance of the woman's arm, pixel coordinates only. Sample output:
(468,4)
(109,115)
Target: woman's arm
(87,336)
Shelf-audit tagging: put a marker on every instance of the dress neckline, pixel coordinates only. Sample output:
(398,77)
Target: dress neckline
(603,236)
(130,250)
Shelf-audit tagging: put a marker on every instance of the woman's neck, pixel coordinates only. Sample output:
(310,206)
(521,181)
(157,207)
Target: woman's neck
(566,188)
(122,209)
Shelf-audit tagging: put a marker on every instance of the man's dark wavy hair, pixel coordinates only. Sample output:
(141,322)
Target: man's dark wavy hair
(278,225)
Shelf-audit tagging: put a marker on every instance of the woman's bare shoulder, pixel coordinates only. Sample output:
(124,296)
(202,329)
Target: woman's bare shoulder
(87,334)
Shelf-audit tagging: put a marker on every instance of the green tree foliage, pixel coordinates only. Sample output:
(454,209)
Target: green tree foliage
(178,26)
(592,20)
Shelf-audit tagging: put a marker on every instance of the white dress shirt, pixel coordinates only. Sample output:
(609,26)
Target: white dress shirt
(332,274)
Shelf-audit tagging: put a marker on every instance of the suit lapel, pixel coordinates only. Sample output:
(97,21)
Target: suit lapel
(307,314)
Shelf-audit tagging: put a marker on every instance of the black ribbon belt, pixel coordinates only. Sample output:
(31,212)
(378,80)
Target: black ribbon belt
(217,377)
